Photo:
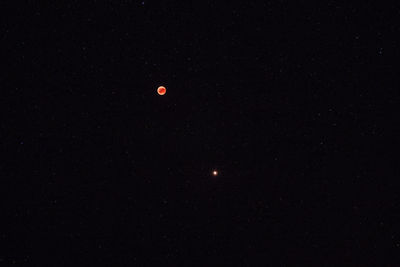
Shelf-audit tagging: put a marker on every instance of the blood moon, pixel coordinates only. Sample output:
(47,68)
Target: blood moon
(161,90)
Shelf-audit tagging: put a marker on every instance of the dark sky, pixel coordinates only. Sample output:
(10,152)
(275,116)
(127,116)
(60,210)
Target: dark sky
(294,104)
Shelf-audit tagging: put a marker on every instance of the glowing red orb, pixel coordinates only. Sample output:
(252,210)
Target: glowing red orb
(161,90)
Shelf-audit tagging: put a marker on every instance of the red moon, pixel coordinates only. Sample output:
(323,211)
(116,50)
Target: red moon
(161,90)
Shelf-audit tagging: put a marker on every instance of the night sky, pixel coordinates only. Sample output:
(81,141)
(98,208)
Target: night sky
(294,105)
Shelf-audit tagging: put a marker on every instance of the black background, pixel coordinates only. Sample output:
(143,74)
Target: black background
(293,103)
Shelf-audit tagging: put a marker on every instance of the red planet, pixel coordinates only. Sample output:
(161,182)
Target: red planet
(161,90)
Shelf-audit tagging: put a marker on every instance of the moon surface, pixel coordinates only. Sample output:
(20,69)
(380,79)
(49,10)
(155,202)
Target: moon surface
(161,90)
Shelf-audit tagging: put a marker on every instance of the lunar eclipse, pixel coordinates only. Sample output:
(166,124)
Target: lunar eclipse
(161,90)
